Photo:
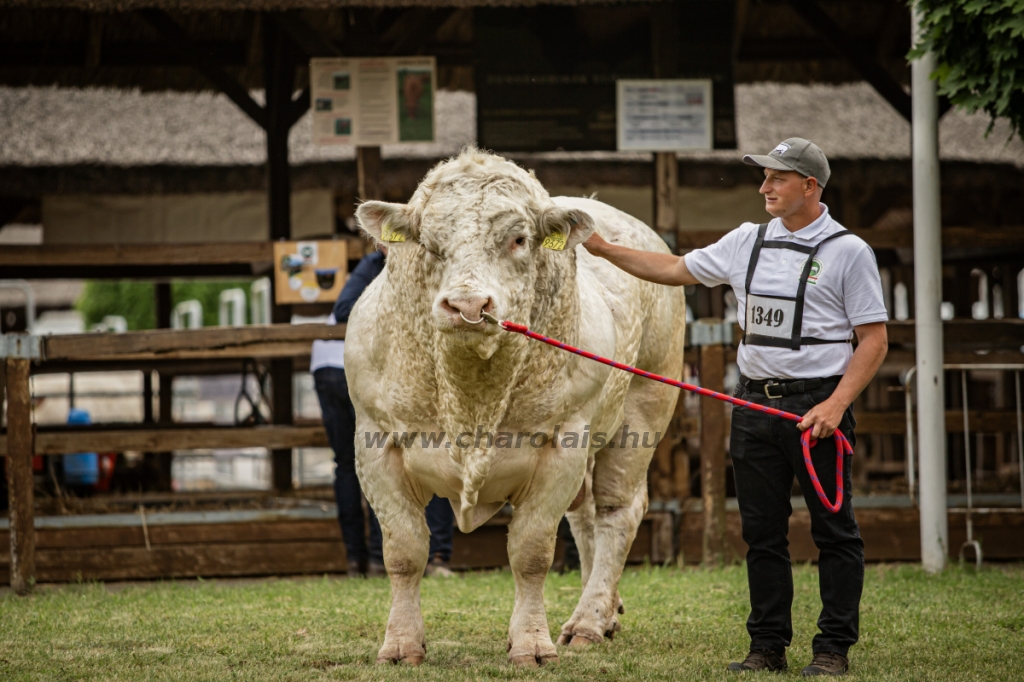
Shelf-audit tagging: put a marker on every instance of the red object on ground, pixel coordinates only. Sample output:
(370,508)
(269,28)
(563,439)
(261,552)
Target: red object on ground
(842,445)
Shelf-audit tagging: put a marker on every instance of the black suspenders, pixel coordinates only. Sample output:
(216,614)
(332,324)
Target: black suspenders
(795,341)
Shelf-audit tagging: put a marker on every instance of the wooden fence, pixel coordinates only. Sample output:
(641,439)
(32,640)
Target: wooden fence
(696,441)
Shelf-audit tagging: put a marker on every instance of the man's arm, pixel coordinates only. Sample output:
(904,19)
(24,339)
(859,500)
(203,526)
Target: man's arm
(660,268)
(872,345)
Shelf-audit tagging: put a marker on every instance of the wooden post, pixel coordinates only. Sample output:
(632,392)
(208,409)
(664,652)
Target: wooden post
(666,195)
(712,454)
(159,464)
(279,84)
(665,60)
(19,476)
(368,168)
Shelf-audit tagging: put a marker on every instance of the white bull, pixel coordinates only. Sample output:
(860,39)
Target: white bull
(471,240)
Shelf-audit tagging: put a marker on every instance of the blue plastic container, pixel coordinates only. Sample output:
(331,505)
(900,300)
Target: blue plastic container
(82,468)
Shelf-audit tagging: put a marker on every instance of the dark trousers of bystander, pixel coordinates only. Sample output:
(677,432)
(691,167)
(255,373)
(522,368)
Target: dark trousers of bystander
(766,455)
(339,417)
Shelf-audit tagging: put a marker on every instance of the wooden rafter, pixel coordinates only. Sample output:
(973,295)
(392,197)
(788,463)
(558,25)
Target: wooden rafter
(180,42)
(861,60)
(305,36)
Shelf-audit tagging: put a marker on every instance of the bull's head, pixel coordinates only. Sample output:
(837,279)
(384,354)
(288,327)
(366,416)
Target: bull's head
(481,231)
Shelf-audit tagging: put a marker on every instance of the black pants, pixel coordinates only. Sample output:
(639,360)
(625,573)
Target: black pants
(339,418)
(766,454)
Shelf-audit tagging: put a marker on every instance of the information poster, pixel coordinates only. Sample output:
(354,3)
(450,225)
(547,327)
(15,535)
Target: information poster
(309,272)
(373,101)
(664,115)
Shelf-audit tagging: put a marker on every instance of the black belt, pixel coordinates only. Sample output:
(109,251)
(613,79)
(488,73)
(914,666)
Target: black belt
(781,388)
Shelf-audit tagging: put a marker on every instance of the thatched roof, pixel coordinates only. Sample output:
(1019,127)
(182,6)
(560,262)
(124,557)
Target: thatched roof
(65,127)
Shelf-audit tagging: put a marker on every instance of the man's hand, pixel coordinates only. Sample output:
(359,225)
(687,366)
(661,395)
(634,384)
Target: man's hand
(660,268)
(823,419)
(595,244)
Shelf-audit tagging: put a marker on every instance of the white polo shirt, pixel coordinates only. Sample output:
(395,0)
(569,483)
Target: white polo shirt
(843,292)
(327,353)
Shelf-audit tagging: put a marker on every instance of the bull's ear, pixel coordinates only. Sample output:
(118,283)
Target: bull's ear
(385,222)
(564,228)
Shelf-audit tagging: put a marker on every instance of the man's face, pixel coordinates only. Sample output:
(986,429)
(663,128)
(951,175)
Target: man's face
(786,192)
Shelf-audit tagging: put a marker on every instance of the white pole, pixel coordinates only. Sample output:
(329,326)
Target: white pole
(928,322)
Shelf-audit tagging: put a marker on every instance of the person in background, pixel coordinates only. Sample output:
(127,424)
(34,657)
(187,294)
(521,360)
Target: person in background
(327,364)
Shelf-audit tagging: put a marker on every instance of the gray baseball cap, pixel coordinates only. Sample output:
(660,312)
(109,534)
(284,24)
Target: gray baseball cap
(794,154)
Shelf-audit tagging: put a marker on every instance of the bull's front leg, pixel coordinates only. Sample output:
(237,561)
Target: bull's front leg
(406,549)
(531,549)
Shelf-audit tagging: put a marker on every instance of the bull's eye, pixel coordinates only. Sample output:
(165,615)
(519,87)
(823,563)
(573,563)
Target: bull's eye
(520,241)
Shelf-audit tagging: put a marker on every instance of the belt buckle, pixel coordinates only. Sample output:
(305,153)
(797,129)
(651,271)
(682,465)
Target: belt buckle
(767,385)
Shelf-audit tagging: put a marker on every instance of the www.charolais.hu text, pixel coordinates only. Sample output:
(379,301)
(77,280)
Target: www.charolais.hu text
(622,438)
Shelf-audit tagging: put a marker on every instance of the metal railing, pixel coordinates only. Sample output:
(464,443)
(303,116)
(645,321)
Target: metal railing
(909,401)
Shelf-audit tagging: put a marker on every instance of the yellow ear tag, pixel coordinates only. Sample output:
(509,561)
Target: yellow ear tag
(554,241)
(389,235)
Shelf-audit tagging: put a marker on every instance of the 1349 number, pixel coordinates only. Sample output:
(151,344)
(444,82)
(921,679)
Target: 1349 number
(772,317)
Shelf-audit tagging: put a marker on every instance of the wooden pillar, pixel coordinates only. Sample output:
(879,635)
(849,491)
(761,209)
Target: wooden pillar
(159,464)
(19,476)
(712,454)
(368,168)
(147,397)
(666,195)
(279,84)
(665,61)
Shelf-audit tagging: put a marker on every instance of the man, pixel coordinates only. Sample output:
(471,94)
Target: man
(803,286)
(327,364)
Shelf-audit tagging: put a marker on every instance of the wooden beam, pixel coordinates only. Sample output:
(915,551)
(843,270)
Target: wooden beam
(282,340)
(100,255)
(712,455)
(102,438)
(368,169)
(985,334)
(193,54)
(861,60)
(19,476)
(1009,237)
(298,107)
(979,421)
(304,35)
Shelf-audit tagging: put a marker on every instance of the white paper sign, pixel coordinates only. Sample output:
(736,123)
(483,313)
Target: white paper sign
(664,115)
(373,101)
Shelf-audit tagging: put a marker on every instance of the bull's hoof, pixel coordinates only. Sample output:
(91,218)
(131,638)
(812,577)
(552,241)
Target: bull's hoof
(581,641)
(622,607)
(615,627)
(396,654)
(533,661)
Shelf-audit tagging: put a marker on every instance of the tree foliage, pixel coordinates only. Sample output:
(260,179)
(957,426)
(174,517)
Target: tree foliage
(136,301)
(979,47)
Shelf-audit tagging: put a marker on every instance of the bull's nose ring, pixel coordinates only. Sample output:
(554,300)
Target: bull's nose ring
(469,321)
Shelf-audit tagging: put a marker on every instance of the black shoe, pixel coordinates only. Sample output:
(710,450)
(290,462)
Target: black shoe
(827,663)
(761,659)
(356,570)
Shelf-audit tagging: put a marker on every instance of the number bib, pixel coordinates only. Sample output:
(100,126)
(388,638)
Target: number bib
(777,320)
(770,316)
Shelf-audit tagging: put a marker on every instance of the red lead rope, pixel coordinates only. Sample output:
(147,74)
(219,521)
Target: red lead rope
(842,445)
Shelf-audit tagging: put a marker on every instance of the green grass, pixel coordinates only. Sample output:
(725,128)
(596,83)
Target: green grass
(679,625)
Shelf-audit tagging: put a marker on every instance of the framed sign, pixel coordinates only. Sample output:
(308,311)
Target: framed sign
(373,101)
(664,115)
(309,272)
